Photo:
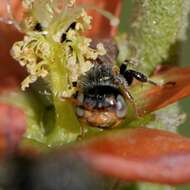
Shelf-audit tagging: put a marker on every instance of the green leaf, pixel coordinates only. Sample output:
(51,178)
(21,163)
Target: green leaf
(155,30)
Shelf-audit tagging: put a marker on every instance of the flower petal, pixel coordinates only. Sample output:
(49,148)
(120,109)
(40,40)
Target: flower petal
(9,35)
(176,86)
(101,26)
(141,155)
(16,6)
(12,127)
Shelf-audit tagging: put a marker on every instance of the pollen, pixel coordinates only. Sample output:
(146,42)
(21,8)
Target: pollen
(100,49)
(28,3)
(60,52)
(32,53)
(86,19)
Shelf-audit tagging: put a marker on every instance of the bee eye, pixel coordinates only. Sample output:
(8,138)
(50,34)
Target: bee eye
(121,107)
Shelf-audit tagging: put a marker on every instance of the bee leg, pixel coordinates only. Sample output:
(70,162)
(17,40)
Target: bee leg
(128,77)
(116,124)
(124,88)
(130,74)
(132,101)
(123,66)
(82,133)
(141,77)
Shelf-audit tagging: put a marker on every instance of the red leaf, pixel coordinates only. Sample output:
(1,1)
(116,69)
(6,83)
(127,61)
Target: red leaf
(178,87)
(141,155)
(8,84)
(101,26)
(8,67)
(16,6)
(12,127)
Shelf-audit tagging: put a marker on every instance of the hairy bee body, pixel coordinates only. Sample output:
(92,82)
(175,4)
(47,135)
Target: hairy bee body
(102,93)
(101,101)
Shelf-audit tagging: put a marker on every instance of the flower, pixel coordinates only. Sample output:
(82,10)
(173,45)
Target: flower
(135,154)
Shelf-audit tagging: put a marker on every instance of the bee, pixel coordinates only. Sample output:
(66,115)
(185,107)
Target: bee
(102,94)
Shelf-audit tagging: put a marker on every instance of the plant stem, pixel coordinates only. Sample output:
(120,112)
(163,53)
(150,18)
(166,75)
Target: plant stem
(155,30)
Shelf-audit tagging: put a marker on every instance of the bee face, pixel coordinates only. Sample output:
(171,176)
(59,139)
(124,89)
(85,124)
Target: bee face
(100,100)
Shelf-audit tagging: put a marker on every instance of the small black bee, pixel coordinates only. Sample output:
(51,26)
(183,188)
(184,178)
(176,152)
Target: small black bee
(101,98)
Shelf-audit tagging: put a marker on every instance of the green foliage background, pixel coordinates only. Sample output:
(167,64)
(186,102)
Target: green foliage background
(183,60)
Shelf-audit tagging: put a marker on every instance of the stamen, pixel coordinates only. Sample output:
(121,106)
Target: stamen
(114,21)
